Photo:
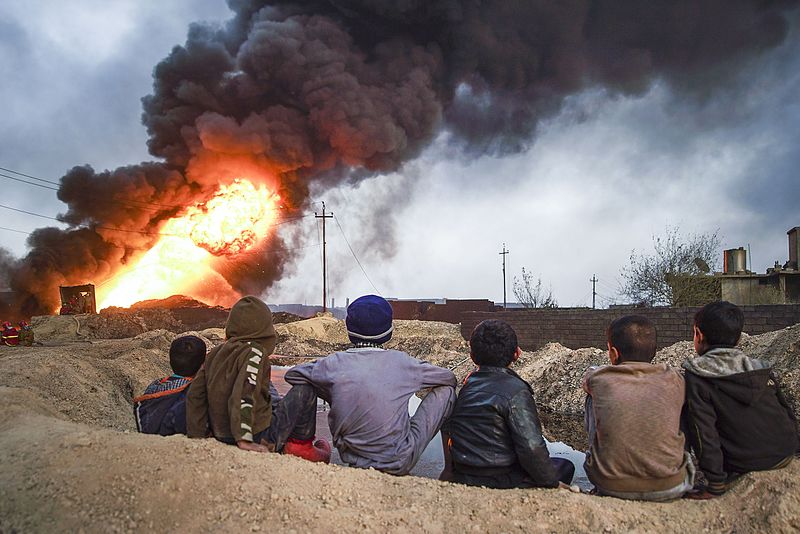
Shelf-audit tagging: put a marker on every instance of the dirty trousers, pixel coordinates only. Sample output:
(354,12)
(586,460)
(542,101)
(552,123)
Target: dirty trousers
(423,425)
(509,477)
(294,416)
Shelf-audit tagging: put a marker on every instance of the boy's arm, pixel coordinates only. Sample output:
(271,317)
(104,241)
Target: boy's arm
(314,374)
(240,405)
(703,435)
(433,376)
(197,406)
(529,444)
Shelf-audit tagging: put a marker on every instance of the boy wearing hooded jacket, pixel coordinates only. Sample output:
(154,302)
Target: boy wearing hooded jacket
(368,388)
(737,417)
(230,396)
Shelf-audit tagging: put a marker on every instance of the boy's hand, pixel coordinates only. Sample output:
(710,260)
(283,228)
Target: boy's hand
(250,446)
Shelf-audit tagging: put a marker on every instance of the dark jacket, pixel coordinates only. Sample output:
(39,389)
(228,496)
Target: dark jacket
(231,392)
(495,424)
(162,408)
(738,423)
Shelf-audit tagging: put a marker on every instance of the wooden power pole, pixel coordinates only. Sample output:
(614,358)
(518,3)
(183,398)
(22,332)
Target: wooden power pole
(324,258)
(504,253)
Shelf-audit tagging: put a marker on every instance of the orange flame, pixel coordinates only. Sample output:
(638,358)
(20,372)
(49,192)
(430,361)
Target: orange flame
(234,220)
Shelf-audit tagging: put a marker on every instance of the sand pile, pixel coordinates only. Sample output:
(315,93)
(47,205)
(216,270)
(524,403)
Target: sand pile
(439,343)
(71,461)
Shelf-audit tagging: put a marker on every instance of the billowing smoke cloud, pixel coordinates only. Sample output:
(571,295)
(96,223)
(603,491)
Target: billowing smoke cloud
(311,93)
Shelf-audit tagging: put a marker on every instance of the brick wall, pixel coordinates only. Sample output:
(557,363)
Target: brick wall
(449,312)
(584,327)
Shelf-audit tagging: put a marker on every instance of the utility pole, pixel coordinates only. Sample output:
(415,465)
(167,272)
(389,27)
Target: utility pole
(594,281)
(504,253)
(324,258)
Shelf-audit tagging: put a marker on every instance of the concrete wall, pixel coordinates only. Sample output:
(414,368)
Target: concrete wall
(583,327)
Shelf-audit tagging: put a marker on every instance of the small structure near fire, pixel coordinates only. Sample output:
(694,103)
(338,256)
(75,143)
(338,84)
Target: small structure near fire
(77,299)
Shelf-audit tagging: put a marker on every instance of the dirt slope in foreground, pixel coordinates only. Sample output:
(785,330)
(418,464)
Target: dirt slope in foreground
(69,461)
(62,476)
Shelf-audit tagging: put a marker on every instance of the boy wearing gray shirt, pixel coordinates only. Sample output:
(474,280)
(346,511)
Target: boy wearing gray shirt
(368,388)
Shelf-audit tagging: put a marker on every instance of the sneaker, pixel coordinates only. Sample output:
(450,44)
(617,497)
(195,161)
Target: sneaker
(318,451)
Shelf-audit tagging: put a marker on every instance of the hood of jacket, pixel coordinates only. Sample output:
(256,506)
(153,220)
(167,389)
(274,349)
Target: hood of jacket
(723,361)
(740,377)
(251,320)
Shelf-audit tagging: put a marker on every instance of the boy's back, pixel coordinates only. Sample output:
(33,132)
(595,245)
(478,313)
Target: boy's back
(368,389)
(740,420)
(637,444)
(495,426)
(162,408)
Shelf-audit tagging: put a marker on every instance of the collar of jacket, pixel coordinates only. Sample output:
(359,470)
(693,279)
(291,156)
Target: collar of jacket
(500,370)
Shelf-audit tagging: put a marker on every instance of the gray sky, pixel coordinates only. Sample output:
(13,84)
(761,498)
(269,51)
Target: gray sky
(600,179)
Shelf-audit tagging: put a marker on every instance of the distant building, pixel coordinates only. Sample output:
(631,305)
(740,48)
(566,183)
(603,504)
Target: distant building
(779,285)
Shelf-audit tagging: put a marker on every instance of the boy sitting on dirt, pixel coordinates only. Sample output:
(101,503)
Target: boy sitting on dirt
(738,418)
(493,438)
(231,394)
(633,418)
(368,388)
(162,408)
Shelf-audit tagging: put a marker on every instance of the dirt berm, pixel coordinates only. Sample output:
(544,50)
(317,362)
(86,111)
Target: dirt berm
(70,462)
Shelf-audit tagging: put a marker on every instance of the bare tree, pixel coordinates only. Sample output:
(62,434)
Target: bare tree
(674,275)
(530,294)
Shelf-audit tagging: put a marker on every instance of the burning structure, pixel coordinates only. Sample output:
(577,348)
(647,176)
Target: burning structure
(247,118)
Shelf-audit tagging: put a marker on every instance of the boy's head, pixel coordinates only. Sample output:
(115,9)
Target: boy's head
(718,323)
(250,320)
(494,344)
(369,320)
(186,355)
(631,339)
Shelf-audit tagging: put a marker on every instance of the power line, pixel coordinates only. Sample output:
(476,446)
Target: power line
(13,230)
(336,219)
(27,182)
(28,176)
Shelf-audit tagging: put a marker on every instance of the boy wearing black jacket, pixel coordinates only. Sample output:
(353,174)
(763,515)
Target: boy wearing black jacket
(493,437)
(738,419)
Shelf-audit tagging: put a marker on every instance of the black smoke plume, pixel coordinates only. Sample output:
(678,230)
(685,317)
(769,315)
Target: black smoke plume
(324,91)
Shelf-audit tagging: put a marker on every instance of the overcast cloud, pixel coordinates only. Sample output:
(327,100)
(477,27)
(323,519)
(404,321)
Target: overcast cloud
(600,179)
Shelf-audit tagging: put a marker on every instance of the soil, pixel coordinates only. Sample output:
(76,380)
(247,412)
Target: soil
(70,459)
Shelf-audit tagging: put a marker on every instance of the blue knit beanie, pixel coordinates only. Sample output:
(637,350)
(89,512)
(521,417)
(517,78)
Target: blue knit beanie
(369,320)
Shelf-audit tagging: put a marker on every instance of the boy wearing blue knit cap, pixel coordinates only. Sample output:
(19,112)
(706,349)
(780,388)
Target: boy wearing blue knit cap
(368,388)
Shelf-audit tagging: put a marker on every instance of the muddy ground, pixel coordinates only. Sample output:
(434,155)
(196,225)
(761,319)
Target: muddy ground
(70,459)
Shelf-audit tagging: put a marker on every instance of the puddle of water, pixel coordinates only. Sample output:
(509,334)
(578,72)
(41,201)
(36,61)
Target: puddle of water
(431,462)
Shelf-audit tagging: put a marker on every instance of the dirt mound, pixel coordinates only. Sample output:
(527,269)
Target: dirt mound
(71,460)
(439,343)
(60,476)
(175,301)
(555,373)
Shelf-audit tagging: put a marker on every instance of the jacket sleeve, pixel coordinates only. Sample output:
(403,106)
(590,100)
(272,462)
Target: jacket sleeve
(529,444)
(433,376)
(197,406)
(252,375)
(703,435)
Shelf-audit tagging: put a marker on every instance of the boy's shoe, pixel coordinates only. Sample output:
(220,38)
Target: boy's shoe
(318,451)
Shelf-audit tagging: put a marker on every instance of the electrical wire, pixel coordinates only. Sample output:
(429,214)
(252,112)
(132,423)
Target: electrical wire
(28,176)
(13,230)
(27,182)
(336,219)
